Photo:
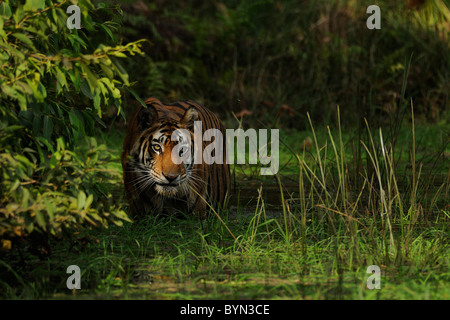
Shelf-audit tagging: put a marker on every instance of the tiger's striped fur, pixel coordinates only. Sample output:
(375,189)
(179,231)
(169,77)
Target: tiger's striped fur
(153,182)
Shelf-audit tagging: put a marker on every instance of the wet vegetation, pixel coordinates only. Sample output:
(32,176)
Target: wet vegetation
(364,176)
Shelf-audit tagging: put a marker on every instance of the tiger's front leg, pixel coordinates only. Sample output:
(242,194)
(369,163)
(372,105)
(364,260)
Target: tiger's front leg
(197,204)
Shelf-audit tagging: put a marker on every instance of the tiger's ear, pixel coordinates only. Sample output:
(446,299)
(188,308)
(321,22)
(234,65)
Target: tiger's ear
(189,117)
(147,117)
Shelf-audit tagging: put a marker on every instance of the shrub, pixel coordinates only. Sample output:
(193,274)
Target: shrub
(55,85)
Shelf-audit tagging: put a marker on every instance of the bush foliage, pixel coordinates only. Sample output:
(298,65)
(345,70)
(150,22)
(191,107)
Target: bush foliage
(56,84)
(282,59)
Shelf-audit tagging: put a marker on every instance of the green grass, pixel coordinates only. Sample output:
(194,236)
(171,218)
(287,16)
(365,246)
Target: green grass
(182,259)
(317,244)
(353,196)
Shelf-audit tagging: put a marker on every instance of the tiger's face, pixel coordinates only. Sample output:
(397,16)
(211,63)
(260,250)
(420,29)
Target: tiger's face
(162,157)
(155,179)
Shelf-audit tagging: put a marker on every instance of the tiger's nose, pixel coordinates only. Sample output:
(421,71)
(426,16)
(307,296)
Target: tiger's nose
(170,177)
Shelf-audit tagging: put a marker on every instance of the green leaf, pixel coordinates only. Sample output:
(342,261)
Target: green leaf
(23,160)
(75,40)
(17,54)
(15,185)
(9,91)
(34,5)
(25,198)
(50,208)
(118,223)
(12,128)
(81,200)
(108,32)
(46,143)
(107,70)
(119,54)
(5,10)
(87,4)
(60,145)
(40,152)
(19,14)
(23,87)
(121,215)
(76,122)
(61,78)
(89,200)
(37,124)
(97,102)
(85,89)
(2,32)
(29,227)
(137,97)
(90,77)
(121,71)
(48,127)
(23,38)
(41,93)
(41,220)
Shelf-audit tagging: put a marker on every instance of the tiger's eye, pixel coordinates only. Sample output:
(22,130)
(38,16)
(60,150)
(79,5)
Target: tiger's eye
(156,148)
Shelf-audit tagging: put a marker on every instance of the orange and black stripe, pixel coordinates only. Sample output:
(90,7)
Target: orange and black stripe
(215,176)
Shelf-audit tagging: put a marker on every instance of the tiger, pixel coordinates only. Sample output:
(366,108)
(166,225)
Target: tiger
(154,182)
